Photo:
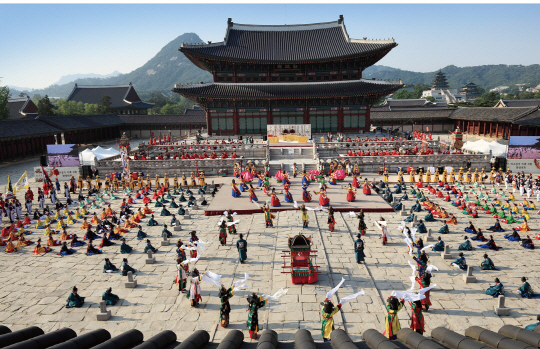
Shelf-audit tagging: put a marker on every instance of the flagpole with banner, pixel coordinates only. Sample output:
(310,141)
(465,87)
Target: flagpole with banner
(9,191)
(22,183)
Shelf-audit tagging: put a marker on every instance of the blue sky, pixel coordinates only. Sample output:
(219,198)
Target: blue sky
(41,43)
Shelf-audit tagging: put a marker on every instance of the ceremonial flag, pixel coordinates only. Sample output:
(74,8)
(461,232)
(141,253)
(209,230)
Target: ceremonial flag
(46,176)
(10,188)
(22,183)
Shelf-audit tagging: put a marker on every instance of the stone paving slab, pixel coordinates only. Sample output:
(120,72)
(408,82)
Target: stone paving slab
(33,289)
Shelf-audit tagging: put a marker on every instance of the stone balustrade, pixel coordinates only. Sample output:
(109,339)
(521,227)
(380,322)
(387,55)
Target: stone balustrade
(392,162)
(254,151)
(153,167)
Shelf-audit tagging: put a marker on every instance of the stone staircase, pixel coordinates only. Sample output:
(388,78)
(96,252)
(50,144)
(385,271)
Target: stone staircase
(283,158)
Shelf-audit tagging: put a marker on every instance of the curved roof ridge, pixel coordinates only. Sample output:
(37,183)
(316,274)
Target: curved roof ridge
(284,27)
(302,83)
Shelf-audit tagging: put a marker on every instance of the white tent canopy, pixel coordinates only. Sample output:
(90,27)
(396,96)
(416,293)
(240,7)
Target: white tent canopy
(483,146)
(89,156)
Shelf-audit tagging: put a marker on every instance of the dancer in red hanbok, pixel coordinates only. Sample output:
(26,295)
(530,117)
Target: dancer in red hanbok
(366,189)
(351,196)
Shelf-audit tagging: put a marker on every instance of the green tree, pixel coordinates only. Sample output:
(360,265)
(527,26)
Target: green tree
(4,98)
(91,109)
(526,95)
(403,94)
(69,108)
(431,99)
(45,107)
(487,99)
(418,89)
(172,109)
(22,94)
(105,105)
(36,98)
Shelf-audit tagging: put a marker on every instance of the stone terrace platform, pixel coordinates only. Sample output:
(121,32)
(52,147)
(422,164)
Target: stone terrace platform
(224,200)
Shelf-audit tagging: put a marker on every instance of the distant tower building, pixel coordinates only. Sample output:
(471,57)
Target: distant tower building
(441,92)
(440,82)
(470,91)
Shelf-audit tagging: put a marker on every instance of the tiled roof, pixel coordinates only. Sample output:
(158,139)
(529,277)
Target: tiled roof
(411,103)
(122,96)
(81,121)
(532,119)
(289,43)
(411,113)
(491,114)
(18,107)
(289,90)
(25,128)
(164,119)
(521,103)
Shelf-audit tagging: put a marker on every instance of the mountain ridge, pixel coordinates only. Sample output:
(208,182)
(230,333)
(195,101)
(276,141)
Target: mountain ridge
(169,67)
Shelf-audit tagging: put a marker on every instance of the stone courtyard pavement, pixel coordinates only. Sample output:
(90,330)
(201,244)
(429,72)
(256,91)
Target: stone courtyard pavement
(33,289)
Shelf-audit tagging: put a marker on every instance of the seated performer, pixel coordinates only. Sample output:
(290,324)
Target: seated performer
(466,245)
(439,246)
(140,234)
(487,264)
(74,300)
(524,226)
(108,267)
(525,290)
(452,220)
(152,222)
(444,229)
(490,244)
(527,243)
(125,268)
(65,251)
(514,236)
(109,297)
(460,263)
(496,290)
(496,227)
(91,250)
(429,217)
(149,247)
(421,228)
(164,211)
(125,248)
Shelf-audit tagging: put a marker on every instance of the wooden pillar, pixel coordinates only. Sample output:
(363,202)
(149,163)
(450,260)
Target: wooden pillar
(236,122)
(340,119)
(368,120)
(208,124)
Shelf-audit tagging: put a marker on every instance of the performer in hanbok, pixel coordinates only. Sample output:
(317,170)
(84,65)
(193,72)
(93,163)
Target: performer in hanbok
(496,290)
(331,219)
(417,318)
(235,191)
(350,193)
(525,290)
(306,196)
(225,308)
(268,216)
(392,325)
(74,300)
(194,293)
(323,198)
(366,189)
(223,233)
(254,304)
(252,195)
(359,249)
(287,194)
(274,200)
